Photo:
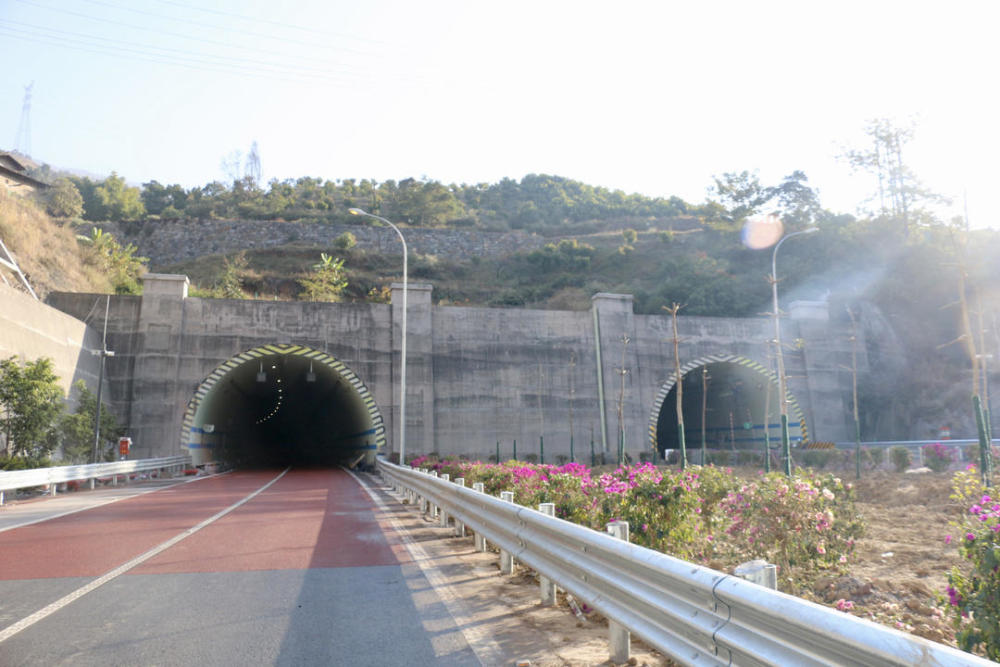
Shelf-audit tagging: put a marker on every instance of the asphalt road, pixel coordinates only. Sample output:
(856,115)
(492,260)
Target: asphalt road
(248,568)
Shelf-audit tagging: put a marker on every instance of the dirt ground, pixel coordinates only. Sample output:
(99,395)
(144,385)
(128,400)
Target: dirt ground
(902,563)
(897,571)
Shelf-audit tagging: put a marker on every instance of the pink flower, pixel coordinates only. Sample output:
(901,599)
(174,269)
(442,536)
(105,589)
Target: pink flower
(844,605)
(947,539)
(970,537)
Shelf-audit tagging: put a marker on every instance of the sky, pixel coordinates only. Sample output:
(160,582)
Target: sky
(654,97)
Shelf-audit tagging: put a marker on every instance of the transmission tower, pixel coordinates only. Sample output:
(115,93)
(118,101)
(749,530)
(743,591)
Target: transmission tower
(22,144)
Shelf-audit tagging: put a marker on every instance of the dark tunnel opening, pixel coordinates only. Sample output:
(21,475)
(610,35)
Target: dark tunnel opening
(732,399)
(278,409)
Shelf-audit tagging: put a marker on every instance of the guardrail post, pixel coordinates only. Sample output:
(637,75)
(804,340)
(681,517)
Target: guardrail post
(1,498)
(93,483)
(52,489)
(618,635)
(548,588)
(507,558)
(459,526)
(759,572)
(480,540)
(433,508)
(442,514)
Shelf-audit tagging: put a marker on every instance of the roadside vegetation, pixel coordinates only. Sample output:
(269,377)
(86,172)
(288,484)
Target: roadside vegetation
(34,423)
(832,540)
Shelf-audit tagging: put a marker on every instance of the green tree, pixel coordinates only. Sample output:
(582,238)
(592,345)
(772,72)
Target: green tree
(117,201)
(230,283)
(741,196)
(31,402)
(901,196)
(77,428)
(167,201)
(123,267)
(63,200)
(327,282)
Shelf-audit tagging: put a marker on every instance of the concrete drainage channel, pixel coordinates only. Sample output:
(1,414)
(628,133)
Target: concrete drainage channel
(688,612)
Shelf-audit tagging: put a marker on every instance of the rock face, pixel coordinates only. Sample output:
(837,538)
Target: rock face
(167,242)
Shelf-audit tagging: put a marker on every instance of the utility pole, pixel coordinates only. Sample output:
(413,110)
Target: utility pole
(572,395)
(105,353)
(679,384)
(621,404)
(704,410)
(854,390)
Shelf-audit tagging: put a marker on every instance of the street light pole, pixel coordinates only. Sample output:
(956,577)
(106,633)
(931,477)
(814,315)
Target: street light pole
(402,355)
(105,353)
(782,391)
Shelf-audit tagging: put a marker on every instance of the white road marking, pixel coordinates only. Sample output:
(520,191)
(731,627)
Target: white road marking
(106,502)
(487,651)
(28,621)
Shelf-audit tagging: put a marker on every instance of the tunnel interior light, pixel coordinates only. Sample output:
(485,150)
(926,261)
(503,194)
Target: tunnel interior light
(310,376)
(261,375)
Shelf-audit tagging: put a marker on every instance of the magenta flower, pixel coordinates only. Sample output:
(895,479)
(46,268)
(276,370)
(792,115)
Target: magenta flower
(970,537)
(947,539)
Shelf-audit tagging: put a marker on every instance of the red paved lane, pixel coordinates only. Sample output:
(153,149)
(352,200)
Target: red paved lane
(88,544)
(308,519)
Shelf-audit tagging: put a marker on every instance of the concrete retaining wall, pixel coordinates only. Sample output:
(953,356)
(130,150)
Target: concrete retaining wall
(474,375)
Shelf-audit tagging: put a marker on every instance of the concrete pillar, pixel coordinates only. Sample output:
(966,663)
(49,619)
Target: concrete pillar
(548,588)
(419,367)
(816,372)
(619,636)
(613,317)
(157,405)
(507,562)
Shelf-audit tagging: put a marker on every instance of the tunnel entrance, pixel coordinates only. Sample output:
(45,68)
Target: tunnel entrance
(280,405)
(739,400)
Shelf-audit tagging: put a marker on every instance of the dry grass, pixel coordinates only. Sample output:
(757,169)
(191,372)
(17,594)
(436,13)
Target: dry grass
(47,251)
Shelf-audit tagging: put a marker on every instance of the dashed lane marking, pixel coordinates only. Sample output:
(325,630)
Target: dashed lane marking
(39,615)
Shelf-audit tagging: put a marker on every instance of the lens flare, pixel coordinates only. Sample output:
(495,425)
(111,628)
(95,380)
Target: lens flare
(759,233)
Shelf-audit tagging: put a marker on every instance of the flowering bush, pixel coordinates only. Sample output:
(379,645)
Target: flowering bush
(703,513)
(974,596)
(900,457)
(806,523)
(938,457)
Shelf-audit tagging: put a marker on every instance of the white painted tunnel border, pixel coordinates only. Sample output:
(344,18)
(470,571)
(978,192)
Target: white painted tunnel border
(223,369)
(661,396)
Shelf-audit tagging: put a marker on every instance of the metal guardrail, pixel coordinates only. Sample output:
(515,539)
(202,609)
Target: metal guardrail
(913,443)
(695,615)
(21,479)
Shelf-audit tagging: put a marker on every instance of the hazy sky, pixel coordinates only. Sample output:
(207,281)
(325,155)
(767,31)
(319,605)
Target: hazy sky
(652,97)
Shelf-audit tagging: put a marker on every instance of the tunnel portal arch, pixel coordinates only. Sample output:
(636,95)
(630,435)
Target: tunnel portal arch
(734,366)
(282,404)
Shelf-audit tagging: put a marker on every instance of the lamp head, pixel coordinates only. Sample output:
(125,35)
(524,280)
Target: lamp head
(810,230)
(356,211)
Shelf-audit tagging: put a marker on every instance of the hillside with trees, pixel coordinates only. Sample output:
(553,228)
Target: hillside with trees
(924,289)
